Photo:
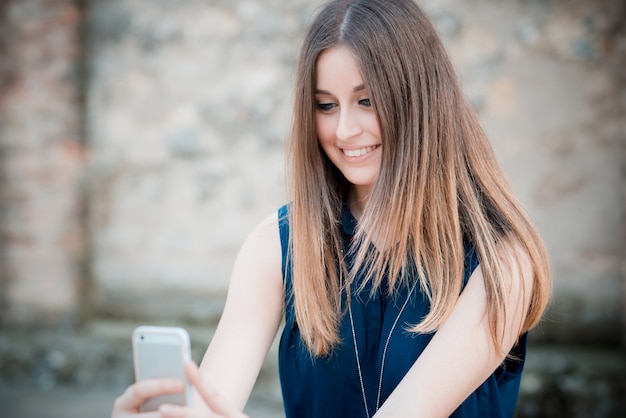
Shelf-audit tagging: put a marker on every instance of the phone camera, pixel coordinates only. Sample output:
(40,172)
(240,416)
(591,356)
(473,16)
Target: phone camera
(142,337)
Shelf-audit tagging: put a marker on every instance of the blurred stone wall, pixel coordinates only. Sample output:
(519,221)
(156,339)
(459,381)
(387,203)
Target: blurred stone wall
(186,108)
(547,79)
(42,164)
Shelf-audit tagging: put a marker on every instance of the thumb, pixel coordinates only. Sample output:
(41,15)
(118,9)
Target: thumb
(211,397)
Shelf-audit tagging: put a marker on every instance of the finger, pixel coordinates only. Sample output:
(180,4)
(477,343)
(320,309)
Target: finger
(136,394)
(213,399)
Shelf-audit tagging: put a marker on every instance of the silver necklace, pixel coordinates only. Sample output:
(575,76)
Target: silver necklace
(382,364)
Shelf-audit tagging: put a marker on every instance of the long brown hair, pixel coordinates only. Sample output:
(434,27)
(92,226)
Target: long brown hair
(439,185)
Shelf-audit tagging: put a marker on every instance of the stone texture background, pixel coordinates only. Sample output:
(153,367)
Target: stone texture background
(140,141)
(188,107)
(42,158)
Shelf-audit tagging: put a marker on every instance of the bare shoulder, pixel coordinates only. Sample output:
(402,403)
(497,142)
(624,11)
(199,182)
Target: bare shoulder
(260,254)
(515,259)
(266,233)
(269,224)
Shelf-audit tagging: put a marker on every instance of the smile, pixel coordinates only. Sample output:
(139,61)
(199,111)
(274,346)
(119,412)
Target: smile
(359,152)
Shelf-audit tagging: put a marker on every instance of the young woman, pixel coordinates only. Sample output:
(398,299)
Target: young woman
(407,272)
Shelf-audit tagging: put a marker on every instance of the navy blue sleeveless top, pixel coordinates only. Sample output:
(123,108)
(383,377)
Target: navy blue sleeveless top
(326,387)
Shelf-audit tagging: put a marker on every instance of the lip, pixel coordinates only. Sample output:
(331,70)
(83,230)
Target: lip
(358,154)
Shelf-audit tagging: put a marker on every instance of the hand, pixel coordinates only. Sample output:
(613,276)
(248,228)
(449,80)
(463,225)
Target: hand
(128,404)
(219,407)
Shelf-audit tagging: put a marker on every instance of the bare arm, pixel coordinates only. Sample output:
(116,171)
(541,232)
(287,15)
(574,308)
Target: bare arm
(251,316)
(462,351)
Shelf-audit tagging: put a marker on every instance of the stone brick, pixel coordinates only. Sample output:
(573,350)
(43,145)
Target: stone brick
(188,109)
(42,153)
(188,106)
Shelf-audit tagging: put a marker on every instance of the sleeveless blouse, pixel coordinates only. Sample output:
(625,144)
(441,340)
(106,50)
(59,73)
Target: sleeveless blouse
(330,386)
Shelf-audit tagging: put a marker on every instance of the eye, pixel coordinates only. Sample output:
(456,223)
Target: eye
(365,102)
(325,107)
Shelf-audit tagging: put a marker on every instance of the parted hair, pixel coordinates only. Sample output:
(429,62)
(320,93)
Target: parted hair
(439,184)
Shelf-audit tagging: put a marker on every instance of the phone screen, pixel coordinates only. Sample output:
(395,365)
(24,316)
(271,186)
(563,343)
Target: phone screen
(161,353)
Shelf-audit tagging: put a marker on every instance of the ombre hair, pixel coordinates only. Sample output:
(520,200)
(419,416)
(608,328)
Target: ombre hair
(439,185)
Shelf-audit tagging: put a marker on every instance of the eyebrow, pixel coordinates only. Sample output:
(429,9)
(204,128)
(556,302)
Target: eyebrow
(358,88)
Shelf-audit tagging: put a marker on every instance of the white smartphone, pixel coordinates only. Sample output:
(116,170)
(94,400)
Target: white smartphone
(161,352)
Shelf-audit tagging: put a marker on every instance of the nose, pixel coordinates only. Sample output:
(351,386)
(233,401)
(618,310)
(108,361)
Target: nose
(348,125)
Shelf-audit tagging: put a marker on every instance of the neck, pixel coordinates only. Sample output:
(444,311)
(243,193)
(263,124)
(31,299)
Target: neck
(357,199)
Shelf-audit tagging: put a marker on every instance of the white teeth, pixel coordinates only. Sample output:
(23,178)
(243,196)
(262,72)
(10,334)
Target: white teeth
(358,152)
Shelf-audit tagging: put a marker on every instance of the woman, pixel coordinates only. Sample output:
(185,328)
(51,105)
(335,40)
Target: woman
(408,273)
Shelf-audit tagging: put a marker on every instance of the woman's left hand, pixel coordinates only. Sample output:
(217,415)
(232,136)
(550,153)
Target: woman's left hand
(218,406)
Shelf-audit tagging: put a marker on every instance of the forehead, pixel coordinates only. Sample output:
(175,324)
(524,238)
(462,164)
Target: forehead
(337,67)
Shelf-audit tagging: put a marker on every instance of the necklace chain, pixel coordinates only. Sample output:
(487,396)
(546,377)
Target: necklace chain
(382,364)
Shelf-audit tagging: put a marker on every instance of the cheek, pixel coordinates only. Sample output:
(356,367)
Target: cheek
(325,129)
(371,122)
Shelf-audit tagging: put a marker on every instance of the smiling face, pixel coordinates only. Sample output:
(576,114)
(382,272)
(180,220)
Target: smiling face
(347,126)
